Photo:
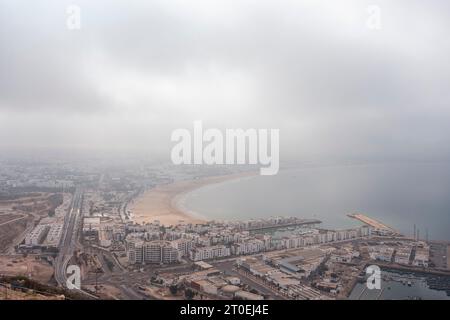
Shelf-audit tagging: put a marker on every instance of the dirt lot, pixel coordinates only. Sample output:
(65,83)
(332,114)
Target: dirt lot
(105,291)
(18,215)
(9,232)
(9,294)
(5,218)
(30,267)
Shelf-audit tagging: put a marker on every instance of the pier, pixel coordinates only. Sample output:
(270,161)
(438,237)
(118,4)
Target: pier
(372,222)
(285,225)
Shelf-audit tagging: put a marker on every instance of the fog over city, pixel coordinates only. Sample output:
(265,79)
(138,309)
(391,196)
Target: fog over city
(224,154)
(137,70)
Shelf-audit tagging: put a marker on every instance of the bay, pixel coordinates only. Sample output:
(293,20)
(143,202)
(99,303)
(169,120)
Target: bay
(399,195)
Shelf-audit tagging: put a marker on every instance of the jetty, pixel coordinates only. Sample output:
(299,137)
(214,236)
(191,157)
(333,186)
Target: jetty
(377,225)
(300,222)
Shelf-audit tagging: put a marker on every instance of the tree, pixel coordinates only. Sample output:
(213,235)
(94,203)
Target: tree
(173,289)
(189,294)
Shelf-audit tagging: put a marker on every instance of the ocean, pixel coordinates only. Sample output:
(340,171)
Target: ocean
(400,195)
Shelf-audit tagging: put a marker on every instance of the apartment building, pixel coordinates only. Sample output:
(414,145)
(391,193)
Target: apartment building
(422,255)
(54,235)
(209,252)
(37,236)
(183,245)
(381,253)
(403,254)
(248,247)
(153,252)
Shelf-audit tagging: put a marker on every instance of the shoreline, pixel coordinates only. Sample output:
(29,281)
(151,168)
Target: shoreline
(164,203)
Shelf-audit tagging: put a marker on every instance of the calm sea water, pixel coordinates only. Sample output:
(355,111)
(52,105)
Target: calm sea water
(394,287)
(397,194)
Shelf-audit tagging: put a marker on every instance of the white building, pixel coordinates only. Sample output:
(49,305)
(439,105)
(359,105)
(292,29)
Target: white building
(248,247)
(381,253)
(422,255)
(38,235)
(54,235)
(210,252)
(183,246)
(159,252)
(403,255)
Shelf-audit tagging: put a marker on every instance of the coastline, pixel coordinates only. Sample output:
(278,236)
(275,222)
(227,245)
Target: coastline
(165,203)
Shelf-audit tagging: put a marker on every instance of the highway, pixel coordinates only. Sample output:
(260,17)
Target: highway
(69,240)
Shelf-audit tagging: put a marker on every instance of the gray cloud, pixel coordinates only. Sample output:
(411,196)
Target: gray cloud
(137,70)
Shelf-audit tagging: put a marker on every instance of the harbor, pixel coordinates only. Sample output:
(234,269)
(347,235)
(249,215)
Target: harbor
(396,285)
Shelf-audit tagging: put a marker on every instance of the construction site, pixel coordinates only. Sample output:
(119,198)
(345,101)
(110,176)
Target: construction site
(20,213)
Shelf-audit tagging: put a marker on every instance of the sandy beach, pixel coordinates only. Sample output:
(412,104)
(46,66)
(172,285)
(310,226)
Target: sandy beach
(161,202)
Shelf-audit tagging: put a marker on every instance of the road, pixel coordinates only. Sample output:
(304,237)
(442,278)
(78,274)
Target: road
(69,240)
(117,276)
(228,268)
(66,244)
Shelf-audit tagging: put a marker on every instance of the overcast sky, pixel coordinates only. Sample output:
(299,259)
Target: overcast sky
(136,70)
